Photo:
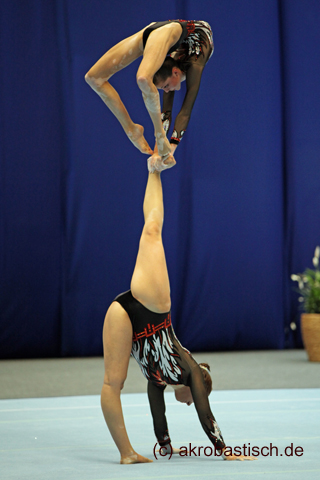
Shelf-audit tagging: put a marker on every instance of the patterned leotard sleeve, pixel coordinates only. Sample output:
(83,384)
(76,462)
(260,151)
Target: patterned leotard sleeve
(158,412)
(193,79)
(201,402)
(195,51)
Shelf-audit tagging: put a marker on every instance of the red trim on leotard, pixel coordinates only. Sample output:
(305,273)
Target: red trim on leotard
(151,329)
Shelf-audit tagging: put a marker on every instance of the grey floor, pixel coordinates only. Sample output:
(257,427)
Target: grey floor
(230,371)
(66,438)
(52,426)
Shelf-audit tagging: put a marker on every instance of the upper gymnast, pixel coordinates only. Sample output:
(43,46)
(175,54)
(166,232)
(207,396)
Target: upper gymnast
(138,322)
(190,45)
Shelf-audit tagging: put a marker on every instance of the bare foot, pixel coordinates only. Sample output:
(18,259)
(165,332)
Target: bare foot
(158,164)
(169,162)
(135,135)
(134,458)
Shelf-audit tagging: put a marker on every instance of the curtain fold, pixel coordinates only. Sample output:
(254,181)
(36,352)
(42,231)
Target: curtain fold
(301,72)
(241,206)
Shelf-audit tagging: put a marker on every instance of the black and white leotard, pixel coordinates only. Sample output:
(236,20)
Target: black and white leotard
(194,48)
(163,361)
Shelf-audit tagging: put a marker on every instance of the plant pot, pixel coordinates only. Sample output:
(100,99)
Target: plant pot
(310,329)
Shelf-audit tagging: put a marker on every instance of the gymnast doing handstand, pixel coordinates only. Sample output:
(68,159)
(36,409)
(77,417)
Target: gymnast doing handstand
(138,322)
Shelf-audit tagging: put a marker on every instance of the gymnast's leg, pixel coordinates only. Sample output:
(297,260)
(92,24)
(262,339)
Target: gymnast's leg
(150,285)
(117,344)
(117,58)
(150,281)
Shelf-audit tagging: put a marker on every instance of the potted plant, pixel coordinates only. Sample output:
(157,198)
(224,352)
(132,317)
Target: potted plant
(309,289)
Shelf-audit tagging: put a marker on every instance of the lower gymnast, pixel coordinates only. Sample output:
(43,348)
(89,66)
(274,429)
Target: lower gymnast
(138,323)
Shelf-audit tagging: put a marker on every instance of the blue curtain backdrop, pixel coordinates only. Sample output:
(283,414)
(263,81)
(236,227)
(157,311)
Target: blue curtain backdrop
(241,206)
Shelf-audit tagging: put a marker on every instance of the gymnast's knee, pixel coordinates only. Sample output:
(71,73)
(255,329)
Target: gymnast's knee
(144,83)
(153,228)
(94,82)
(113,384)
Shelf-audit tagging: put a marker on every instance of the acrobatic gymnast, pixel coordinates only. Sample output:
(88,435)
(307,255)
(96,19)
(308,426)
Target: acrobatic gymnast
(138,322)
(190,45)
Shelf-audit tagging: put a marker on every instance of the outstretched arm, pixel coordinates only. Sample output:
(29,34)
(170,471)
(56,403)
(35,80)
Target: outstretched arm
(193,80)
(206,417)
(201,402)
(158,411)
(166,115)
(166,112)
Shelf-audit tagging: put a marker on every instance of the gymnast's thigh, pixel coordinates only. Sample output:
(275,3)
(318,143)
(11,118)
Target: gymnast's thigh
(150,280)
(117,344)
(118,57)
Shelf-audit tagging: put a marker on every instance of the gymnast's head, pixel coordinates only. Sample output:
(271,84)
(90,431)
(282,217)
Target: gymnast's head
(184,394)
(170,75)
